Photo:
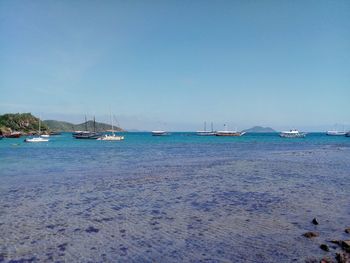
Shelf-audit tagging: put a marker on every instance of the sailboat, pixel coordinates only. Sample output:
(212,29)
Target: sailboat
(111,137)
(38,138)
(205,132)
(87,134)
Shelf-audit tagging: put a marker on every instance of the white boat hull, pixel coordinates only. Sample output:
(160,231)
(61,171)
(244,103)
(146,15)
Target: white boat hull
(36,139)
(111,138)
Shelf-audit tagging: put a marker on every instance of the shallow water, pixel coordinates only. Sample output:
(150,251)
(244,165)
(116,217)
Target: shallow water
(180,198)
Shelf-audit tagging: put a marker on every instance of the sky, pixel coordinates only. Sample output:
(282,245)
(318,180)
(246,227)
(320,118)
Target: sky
(174,64)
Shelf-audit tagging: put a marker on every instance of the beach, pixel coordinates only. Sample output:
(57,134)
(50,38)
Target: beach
(175,199)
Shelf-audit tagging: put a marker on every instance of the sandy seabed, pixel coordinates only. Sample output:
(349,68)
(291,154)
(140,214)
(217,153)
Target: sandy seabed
(174,208)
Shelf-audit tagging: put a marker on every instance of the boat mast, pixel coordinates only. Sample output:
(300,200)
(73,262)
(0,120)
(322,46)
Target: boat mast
(205,126)
(212,129)
(39,127)
(94,125)
(111,122)
(86,125)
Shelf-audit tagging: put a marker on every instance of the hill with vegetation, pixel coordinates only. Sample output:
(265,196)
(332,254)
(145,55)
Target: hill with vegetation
(62,126)
(25,123)
(260,129)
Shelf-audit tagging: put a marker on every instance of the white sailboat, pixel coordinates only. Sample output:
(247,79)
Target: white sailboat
(38,138)
(111,137)
(205,132)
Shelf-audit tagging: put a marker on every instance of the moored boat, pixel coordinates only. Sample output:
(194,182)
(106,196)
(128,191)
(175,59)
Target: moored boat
(347,134)
(292,134)
(88,135)
(13,135)
(336,133)
(111,137)
(159,133)
(229,133)
(37,138)
(205,132)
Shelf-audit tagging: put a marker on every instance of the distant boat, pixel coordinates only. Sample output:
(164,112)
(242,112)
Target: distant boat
(229,133)
(336,133)
(13,135)
(38,138)
(205,132)
(159,133)
(87,134)
(347,134)
(55,133)
(45,135)
(111,137)
(292,134)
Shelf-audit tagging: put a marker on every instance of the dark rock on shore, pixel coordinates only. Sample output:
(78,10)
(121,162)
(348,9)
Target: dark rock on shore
(311,234)
(342,257)
(347,230)
(346,245)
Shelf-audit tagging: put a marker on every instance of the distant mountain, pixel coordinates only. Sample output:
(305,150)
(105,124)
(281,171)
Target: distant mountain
(260,129)
(25,123)
(70,127)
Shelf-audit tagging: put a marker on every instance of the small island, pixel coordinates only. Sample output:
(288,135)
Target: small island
(259,129)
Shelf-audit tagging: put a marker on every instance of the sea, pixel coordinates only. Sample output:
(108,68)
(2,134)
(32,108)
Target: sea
(176,198)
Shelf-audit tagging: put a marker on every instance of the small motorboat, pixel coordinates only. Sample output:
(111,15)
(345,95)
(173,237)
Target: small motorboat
(45,135)
(292,134)
(159,133)
(36,139)
(336,133)
(112,137)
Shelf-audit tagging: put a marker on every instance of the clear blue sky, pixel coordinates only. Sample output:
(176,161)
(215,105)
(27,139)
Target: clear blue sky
(175,64)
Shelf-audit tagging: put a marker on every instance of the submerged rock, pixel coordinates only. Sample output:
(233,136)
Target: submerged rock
(91,229)
(315,221)
(324,247)
(311,234)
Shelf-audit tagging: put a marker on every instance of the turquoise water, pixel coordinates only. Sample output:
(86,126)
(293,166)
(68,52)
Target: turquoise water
(172,198)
